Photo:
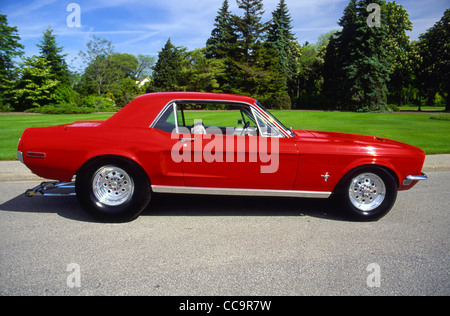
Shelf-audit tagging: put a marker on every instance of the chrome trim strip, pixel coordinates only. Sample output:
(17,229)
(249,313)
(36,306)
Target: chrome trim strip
(255,114)
(417,178)
(239,192)
(283,133)
(271,120)
(175,115)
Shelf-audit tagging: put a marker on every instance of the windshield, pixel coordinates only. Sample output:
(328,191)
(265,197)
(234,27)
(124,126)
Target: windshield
(272,117)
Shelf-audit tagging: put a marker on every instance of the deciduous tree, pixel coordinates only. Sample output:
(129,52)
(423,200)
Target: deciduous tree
(96,61)
(434,70)
(396,22)
(36,85)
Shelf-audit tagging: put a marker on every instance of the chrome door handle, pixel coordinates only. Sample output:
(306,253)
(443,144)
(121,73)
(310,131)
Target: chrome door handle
(186,140)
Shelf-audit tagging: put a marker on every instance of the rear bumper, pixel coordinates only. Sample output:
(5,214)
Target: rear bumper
(20,156)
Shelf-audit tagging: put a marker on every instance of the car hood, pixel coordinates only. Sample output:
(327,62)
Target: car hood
(371,144)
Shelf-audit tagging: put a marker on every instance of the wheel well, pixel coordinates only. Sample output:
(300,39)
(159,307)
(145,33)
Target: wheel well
(387,169)
(111,157)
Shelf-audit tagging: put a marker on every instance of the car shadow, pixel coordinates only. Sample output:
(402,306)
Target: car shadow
(211,205)
(187,205)
(67,207)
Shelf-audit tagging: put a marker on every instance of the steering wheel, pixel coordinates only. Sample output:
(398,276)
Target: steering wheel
(247,124)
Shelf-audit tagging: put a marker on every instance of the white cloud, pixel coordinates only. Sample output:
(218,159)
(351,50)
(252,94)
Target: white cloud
(30,8)
(143,26)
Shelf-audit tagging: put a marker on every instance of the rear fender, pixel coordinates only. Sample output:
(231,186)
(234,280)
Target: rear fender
(115,154)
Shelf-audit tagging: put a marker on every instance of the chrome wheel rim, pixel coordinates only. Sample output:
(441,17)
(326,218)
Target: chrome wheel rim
(367,191)
(112,186)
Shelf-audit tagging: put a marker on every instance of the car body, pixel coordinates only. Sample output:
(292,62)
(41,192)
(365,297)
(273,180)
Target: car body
(153,146)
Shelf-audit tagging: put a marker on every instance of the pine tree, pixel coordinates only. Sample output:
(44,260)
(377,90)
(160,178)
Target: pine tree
(223,36)
(168,69)
(357,66)
(251,29)
(369,71)
(245,70)
(10,48)
(50,51)
(281,41)
(280,28)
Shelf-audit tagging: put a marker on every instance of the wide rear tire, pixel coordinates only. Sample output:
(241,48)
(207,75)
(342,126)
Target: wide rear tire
(113,189)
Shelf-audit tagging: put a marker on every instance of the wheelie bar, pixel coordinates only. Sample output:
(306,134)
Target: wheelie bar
(46,188)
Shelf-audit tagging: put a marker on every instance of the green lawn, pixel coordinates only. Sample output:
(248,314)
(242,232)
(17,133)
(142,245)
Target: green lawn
(12,126)
(419,130)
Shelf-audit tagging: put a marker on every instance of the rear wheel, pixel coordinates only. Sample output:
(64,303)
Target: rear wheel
(113,189)
(368,193)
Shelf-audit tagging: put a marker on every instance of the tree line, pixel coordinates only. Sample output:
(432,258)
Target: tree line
(361,67)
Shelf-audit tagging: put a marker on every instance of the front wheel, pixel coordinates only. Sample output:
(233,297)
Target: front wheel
(368,193)
(113,189)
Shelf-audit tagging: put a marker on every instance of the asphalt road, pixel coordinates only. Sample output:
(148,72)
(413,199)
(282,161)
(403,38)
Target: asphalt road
(189,245)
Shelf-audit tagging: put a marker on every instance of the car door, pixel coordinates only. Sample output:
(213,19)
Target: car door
(160,143)
(229,157)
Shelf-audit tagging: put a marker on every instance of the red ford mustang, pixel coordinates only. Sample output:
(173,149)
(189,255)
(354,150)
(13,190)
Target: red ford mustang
(171,143)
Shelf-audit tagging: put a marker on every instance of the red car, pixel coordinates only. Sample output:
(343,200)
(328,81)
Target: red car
(172,143)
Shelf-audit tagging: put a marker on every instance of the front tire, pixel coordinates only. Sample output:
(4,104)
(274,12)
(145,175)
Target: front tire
(113,189)
(368,193)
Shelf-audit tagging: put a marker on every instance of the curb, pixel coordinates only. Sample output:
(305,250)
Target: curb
(437,163)
(15,171)
(21,177)
(436,168)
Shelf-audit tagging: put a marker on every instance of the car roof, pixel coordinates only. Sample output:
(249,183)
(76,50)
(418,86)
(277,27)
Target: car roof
(143,110)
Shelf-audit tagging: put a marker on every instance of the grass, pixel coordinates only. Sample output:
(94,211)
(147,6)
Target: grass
(12,126)
(433,136)
(419,130)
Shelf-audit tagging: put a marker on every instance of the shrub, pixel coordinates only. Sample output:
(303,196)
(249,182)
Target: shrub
(392,108)
(64,94)
(99,104)
(278,101)
(62,109)
(5,107)
(441,116)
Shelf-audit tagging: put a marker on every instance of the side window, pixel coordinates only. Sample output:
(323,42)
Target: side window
(167,122)
(265,128)
(216,119)
(202,118)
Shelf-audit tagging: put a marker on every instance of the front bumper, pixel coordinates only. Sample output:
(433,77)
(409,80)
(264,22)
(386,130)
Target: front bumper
(410,179)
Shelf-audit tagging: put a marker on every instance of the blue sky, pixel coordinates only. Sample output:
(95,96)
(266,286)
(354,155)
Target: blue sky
(143,26)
